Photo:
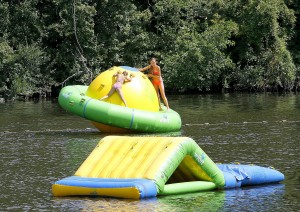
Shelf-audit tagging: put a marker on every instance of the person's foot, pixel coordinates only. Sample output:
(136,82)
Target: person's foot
(104,97)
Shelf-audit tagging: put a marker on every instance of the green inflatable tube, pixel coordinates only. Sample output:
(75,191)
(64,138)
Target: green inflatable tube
(187,187)
(74,100)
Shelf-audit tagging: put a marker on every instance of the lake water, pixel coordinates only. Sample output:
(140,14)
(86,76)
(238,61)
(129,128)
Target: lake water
(40,143)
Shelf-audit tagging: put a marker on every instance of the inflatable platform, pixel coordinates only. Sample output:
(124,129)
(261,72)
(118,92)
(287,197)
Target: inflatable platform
(143,113)
(145,167)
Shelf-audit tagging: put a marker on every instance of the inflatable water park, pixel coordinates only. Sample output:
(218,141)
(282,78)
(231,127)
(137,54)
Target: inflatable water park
(143,114)
(145,167)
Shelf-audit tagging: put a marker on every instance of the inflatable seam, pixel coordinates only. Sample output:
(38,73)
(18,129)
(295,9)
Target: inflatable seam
(84,109)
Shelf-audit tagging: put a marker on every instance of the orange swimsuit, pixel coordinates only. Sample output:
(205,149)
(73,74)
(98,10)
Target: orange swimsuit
(156,81)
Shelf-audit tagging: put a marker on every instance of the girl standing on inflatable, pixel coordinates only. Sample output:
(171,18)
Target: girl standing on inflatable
(157,80)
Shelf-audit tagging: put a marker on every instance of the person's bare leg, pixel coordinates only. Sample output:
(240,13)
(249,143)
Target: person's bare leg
(112,90)
(163,95)
(122,97)
(158,96)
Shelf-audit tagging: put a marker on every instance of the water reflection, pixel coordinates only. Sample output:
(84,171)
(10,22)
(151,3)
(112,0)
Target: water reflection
(260,198)
(41,143)
(255,198)
(105,204)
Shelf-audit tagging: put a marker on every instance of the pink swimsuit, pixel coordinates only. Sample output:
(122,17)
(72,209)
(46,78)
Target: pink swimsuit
(118,85)
(119,82)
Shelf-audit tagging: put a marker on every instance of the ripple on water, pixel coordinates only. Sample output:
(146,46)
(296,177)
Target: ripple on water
(40,143)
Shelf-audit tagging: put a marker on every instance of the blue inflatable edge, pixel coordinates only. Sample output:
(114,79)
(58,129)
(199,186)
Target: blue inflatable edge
(129,68)
(147,188)
(237,175)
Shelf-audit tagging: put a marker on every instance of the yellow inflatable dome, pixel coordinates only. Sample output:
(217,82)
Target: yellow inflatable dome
(143,113)
(139,93)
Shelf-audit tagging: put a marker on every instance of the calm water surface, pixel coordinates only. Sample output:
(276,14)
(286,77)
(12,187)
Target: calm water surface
(40,143)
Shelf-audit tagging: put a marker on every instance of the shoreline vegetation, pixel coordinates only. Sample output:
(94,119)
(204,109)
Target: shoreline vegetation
(203,46)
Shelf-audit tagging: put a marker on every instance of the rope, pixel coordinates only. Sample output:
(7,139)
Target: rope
(78,48)
(75,29)
(82,59)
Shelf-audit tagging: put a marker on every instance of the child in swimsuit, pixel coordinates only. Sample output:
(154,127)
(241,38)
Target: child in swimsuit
(117,86)
(157,80)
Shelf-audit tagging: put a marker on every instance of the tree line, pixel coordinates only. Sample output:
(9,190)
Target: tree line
(201,45)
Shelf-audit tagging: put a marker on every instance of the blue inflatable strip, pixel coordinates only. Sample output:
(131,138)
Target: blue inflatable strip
(147,188)
(237,175)
(129,68)
(84,109)
(132,119)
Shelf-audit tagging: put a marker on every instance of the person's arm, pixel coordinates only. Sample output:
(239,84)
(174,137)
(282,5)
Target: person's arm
(117,73)
(129,78)
(145,68)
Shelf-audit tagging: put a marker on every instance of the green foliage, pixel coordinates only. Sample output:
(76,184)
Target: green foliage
(198,60)
(121,32)
(201,45)
(22,72)
(261,53)
(6,54)
(293,44)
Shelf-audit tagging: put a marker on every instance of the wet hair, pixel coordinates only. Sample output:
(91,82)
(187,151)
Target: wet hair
(125,73)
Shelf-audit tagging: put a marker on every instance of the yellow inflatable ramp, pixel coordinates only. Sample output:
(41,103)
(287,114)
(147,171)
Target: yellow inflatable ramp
(141,167)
